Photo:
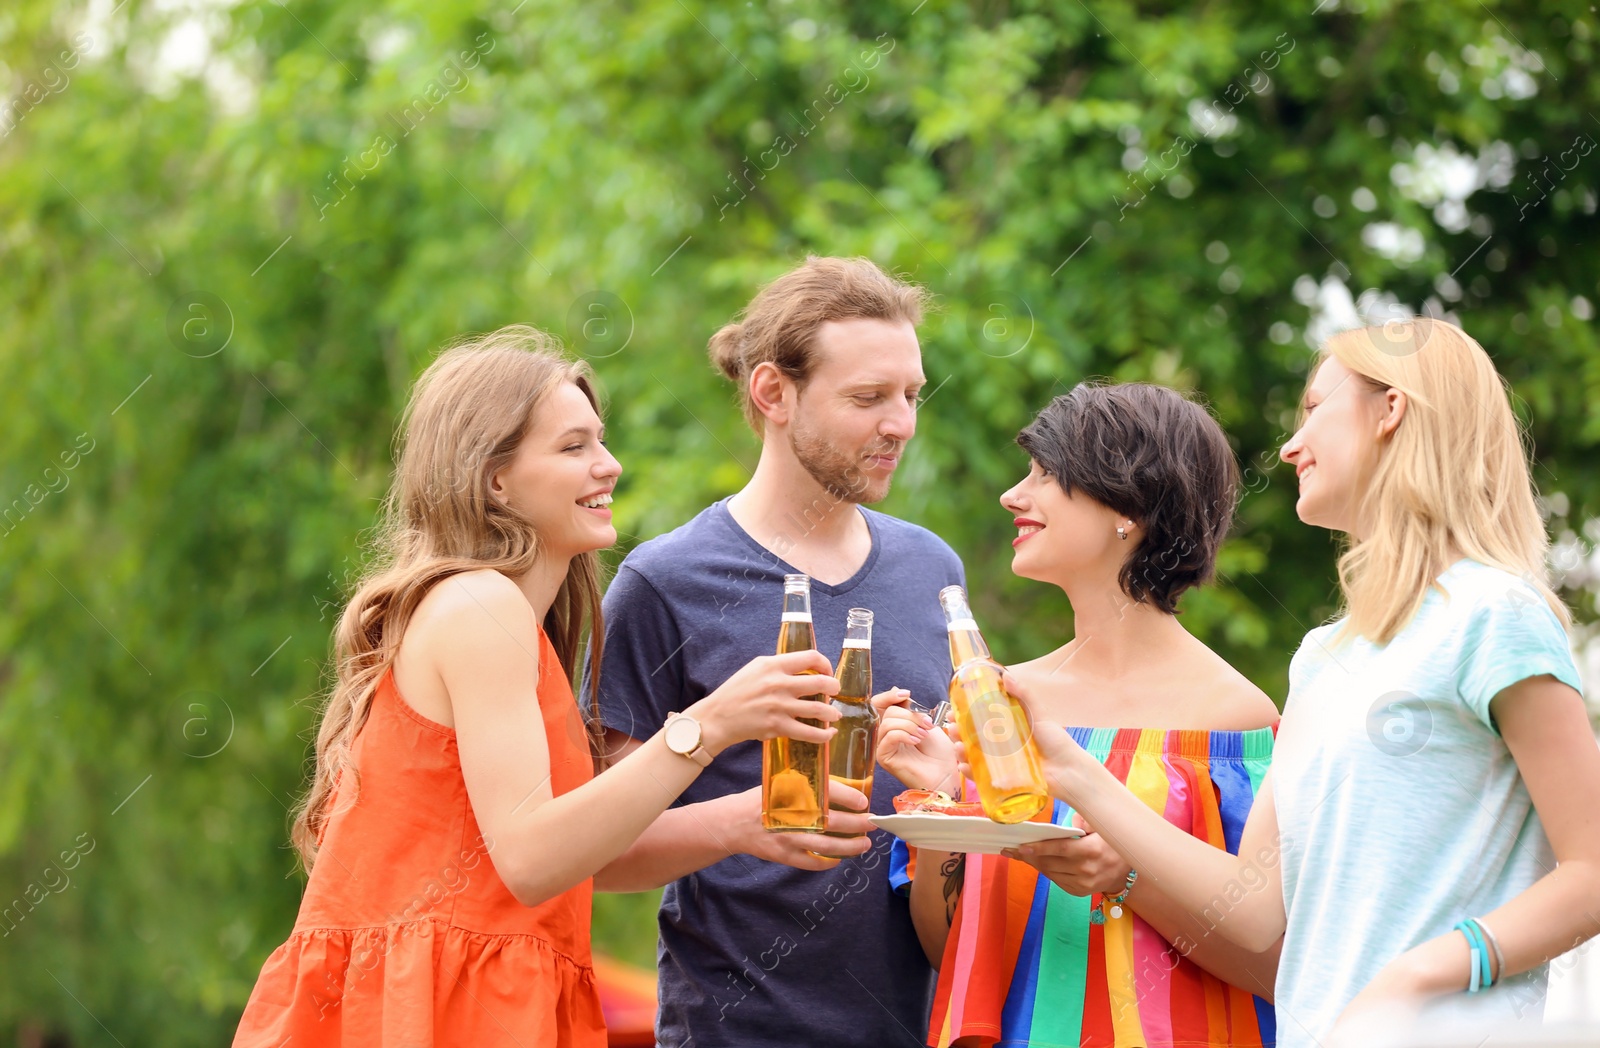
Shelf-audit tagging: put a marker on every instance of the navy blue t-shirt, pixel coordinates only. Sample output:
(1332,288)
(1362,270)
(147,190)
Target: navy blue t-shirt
(754,952)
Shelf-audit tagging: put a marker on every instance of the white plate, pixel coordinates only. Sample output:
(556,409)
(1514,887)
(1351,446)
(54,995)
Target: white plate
(968,833)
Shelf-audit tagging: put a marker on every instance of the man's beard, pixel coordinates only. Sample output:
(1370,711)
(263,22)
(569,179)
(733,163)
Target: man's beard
(842,475)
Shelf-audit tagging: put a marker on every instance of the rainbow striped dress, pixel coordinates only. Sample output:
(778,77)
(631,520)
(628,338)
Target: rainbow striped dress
(1025,965)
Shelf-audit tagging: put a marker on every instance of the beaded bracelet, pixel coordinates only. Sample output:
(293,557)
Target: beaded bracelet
(1098,916)
(1122,897)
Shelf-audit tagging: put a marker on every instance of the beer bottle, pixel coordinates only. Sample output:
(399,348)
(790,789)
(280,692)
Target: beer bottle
(850,752)
(994,726)
(794,774)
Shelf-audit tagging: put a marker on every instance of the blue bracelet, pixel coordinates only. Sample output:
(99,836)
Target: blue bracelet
(1474,952)
(1500,959)
(1481,976)
(1488,967)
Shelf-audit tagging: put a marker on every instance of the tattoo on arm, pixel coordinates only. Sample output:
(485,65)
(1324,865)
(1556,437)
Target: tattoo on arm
(953,870)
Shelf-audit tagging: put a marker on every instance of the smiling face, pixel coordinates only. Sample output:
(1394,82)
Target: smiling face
(1061,536)
(1335,448)
(853,417)
(561,476)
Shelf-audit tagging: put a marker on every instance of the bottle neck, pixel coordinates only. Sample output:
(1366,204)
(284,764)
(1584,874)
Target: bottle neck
(796,632)
(796,635)
(966,644)
(855,675)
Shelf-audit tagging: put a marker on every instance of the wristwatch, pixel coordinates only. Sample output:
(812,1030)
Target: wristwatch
(683,738)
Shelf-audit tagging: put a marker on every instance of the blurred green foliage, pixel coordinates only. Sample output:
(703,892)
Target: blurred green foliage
(231,235)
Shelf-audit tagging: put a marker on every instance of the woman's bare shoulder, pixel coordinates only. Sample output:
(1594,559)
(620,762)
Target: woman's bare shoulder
(1047,665)
(469,619)
(469,598)
(1236,701)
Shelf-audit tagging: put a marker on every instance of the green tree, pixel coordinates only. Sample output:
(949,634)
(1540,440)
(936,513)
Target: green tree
(232,236)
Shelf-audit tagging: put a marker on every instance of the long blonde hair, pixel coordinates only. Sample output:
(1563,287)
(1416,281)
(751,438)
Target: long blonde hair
(467,415)
(1454,473)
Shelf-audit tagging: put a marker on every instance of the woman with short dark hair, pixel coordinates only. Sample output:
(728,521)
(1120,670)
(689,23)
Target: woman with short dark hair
(1129,493)
(1427,839)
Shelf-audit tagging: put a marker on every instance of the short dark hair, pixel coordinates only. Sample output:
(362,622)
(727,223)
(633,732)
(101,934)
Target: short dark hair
(1153,455)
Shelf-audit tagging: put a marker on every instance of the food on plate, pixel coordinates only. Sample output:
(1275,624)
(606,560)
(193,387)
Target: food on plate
(935,802)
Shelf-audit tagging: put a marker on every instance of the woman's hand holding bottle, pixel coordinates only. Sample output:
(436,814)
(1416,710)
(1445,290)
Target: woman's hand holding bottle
(769,698)
(1060,757)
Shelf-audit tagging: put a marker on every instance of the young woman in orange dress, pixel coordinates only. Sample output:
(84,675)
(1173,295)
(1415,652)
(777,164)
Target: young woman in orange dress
(454,823)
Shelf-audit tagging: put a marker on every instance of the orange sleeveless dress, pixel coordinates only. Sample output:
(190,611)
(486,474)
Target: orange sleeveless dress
(406,934)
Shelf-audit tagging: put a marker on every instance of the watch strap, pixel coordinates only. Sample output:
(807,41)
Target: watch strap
(700,755)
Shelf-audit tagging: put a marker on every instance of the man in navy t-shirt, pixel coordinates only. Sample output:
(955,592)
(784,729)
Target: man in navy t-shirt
(786,938)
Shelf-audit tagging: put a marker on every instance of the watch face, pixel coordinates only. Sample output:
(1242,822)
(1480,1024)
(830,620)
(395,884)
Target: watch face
(683,735)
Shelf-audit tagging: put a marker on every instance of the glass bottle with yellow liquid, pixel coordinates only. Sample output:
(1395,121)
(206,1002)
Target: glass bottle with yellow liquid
(850,752)
(994,726)
(794,774)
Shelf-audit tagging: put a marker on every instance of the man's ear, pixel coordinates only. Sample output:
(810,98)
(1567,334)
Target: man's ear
(772,392)
(1395,403)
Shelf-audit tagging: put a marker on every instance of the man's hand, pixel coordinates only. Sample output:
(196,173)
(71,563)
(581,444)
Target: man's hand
(807,851)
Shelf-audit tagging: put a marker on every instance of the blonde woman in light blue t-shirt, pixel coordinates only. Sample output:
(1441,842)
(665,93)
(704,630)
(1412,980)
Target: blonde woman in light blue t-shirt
(1429,834)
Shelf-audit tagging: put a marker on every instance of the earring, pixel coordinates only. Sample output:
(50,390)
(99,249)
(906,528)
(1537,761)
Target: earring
(1122,533)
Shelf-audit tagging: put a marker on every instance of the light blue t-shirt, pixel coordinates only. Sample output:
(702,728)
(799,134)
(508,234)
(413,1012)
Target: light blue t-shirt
(1400,808)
